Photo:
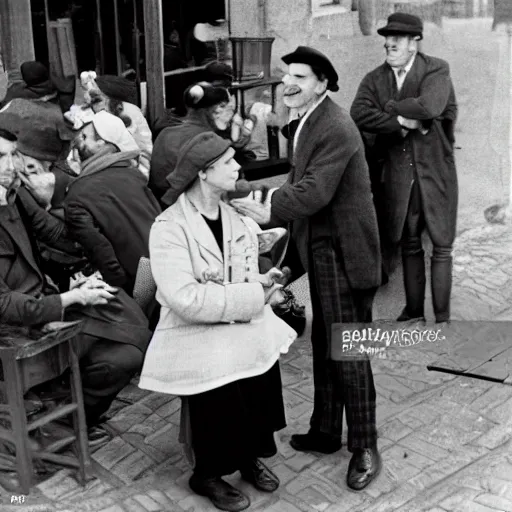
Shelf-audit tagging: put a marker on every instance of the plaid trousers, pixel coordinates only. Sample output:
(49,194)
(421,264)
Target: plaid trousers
(339,384)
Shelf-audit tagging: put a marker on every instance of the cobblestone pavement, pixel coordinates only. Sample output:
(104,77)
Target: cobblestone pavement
(445,440)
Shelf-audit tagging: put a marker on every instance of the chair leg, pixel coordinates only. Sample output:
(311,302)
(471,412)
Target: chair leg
(14,389)
(79,422)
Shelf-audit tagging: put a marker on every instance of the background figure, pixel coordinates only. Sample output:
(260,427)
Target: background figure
(109,208)
(328,201)
(118,96)
(409,103)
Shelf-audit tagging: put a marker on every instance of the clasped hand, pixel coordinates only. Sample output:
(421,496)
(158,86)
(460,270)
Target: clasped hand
(94,292)
(271,288)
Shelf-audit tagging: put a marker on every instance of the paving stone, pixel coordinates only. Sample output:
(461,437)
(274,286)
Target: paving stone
(113,452)
(130,505)
(133,466)
(496,486)
(291,375)
(300,461)
(130,416)
(284,473)
(93,488)
(169,408)
(466,391)
(495,437)
(177,493)
(58,485)
(461,496)
(495,502)
(394,430)
(416,442)
(114,508)
(295,405)
(159,497)
(148,426)
(413,458)
(132,393)
(501,413)
(156,400)
(148,503)
(489,401)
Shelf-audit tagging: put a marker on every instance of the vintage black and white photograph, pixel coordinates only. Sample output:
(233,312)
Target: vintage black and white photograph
(256,255)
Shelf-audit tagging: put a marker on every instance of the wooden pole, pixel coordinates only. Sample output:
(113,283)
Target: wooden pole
(100,34)
(118,39)
(154,35)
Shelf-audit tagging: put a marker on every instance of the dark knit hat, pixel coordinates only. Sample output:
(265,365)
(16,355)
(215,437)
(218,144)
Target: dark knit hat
(204,95)
(401,23)
(34,73)
(196,155)
(218,73)
(318,62)
(118,88)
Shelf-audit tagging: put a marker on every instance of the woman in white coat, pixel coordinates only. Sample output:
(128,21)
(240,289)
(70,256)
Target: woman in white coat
(217,343)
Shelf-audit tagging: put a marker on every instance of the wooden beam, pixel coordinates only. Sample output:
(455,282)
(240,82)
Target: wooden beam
(154,36)
(16,34)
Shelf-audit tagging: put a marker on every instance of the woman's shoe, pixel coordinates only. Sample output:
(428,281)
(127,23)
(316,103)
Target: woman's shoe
(256,473)
(222,495)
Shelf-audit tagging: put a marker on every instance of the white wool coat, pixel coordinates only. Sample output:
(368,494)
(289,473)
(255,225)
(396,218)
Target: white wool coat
(210,333)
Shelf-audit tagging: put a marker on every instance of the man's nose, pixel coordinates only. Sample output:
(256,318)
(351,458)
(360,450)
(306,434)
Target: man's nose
(286,79)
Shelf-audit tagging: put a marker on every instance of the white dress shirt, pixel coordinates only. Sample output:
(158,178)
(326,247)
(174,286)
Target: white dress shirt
(400,76)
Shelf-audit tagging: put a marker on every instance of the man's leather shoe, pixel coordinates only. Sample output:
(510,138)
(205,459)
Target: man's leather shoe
(405,317)
(256,473)
(222,495)
(315,442)
(363,468)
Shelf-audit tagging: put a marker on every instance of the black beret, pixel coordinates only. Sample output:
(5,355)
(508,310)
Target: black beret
(402,23)
(204,95)
(317,60)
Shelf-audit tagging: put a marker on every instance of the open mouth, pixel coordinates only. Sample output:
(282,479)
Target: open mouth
(291,92)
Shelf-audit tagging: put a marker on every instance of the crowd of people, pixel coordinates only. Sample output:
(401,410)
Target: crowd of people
(86,195)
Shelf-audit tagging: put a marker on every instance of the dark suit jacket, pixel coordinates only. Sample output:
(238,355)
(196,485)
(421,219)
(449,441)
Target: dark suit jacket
(426,95)
(328,194)
(27,299)
(110,213)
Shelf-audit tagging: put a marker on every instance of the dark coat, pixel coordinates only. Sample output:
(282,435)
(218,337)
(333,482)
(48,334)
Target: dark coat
(26,297)
(328,194)
(426,95)
(110,212)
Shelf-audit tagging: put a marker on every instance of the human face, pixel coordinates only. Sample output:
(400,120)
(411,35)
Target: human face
(87,142)
(222,174)
(11,164)
(399,50)
(302,87)
(223,113)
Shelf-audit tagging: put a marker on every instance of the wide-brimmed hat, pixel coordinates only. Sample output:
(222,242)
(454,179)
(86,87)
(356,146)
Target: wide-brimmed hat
(401,23)
(317,60)
(196,155)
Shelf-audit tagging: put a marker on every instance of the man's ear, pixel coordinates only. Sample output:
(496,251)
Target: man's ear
(321,87)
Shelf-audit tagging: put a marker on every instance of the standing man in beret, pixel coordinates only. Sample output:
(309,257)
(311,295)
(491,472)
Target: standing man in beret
(328,201)
(409,103)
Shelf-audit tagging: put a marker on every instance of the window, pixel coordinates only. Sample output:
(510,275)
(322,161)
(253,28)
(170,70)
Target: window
(326,7)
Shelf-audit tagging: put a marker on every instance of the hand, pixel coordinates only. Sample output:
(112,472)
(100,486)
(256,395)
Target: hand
(410,124)
(276,296)
(87,296)
(257,211)
(269,279)
(40,185)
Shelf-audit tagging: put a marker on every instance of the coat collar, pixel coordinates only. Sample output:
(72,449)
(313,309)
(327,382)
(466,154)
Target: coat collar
(233,228)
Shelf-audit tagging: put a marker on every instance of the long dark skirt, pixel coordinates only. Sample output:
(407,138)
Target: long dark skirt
(235,423)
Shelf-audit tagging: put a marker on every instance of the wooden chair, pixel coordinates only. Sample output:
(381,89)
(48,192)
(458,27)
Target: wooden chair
(27,362)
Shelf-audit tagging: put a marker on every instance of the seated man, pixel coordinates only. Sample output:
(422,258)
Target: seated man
(108,208)
(115,331)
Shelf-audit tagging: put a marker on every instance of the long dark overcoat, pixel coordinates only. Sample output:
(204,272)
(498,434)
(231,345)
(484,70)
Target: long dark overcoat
(426,95)
(328,195)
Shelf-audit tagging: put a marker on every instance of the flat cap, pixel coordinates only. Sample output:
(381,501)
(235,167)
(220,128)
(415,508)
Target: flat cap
(196,155)
(317,60)
(402,23)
